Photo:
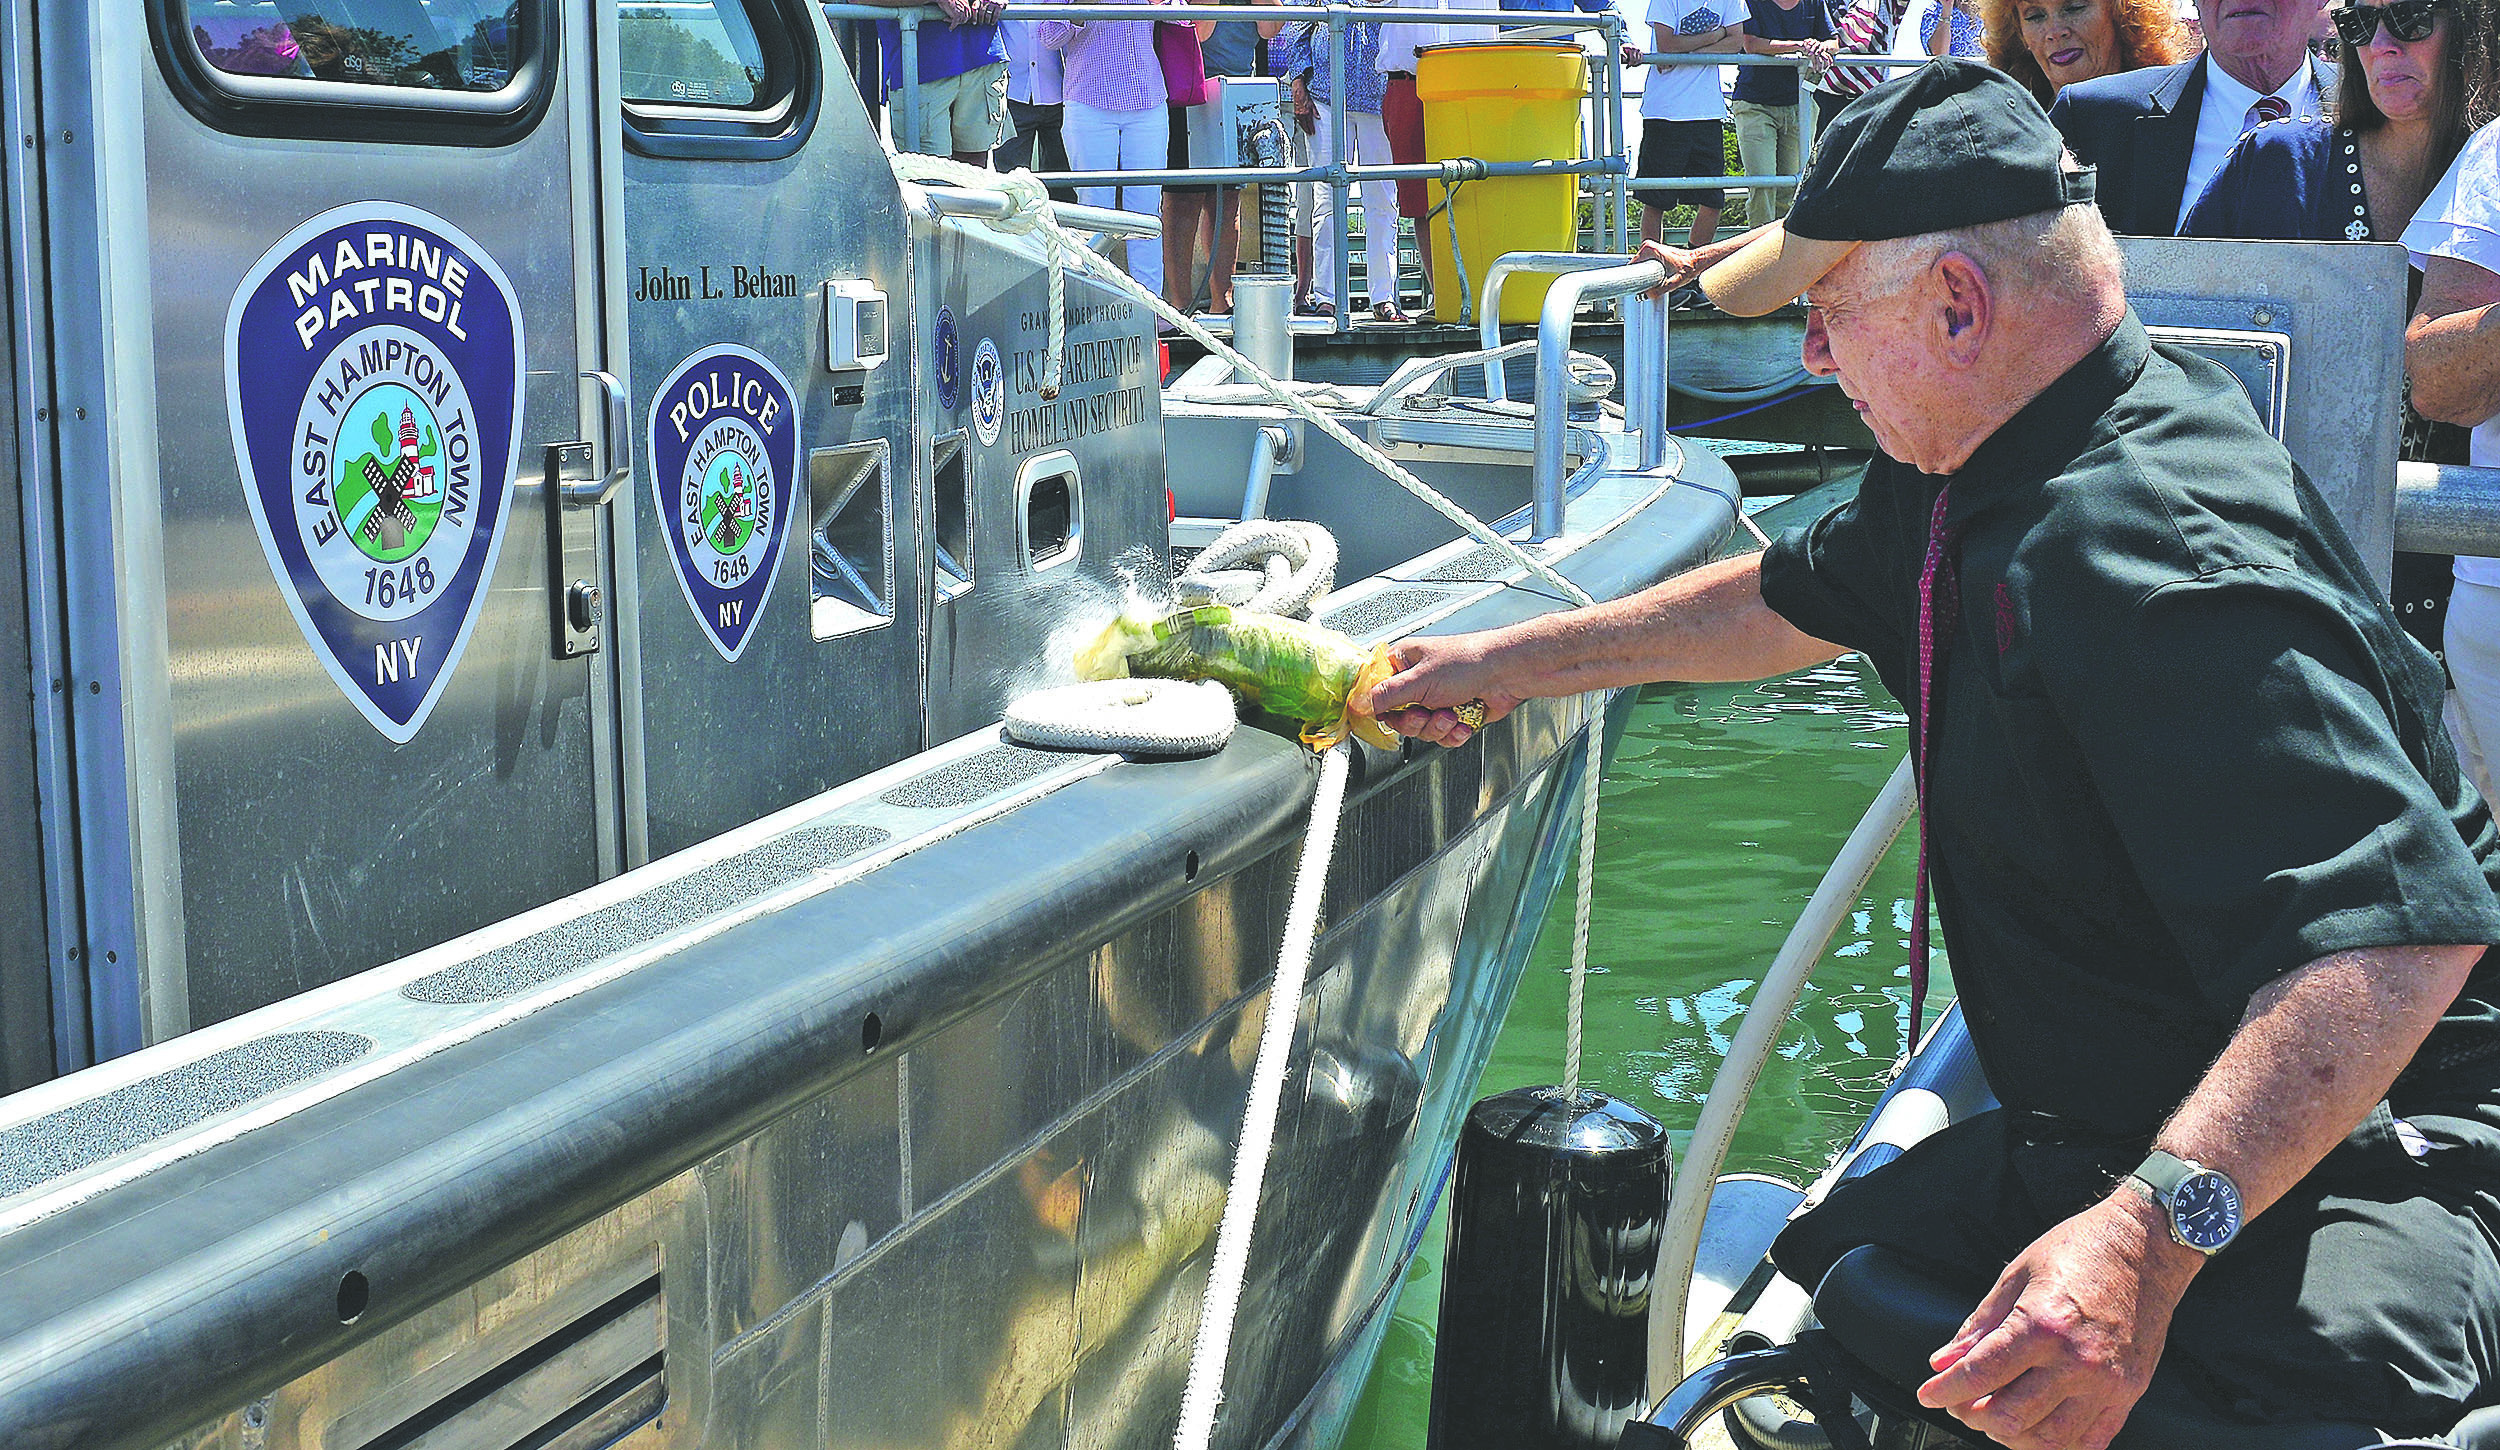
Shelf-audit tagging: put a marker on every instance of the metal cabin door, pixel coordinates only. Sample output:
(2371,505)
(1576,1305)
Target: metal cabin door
(367,234)
(775,613)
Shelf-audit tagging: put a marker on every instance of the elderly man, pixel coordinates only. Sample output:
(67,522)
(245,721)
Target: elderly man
(2217,897)
(2159,134)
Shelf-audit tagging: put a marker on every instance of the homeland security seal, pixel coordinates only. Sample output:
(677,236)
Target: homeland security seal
(373,384)
(724,462)
(989,392)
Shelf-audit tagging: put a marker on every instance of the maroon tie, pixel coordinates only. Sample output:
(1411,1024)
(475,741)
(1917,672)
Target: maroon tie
(2268,108)
(1938,598)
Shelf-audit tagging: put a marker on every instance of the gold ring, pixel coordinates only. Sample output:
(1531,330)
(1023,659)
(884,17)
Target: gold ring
(1470,714)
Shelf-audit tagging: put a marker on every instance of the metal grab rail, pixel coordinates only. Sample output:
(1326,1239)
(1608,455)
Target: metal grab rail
(1489,306)
(950,201)
(1553,356)
(2447,508)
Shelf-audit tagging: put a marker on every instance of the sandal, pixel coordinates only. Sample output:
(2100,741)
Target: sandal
(1389,312)
(1318,307)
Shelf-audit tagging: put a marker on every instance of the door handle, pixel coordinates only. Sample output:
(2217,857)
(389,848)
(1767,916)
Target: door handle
(617,447)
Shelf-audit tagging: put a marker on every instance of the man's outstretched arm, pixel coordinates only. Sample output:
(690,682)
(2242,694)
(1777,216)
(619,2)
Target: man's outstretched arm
(1708,624)
(2065,1344)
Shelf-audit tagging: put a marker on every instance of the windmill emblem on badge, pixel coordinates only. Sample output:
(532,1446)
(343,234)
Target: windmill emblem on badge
(729,510)
(387,499)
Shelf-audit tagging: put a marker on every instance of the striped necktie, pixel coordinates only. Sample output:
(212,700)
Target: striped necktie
(2268,108)
(1939,596)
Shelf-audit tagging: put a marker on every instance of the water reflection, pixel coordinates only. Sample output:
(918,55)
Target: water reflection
(1725,805)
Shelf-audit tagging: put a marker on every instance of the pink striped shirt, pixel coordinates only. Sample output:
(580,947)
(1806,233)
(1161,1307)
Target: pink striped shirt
(1109,64)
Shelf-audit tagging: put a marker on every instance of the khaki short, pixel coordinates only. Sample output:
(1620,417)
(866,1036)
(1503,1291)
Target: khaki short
(962,114)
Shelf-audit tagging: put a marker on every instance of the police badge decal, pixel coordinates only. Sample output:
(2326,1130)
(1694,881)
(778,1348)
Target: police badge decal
(373,385)
(724,462)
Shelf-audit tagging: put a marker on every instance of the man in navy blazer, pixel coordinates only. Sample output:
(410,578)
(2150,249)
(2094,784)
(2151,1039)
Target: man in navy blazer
(2159,134)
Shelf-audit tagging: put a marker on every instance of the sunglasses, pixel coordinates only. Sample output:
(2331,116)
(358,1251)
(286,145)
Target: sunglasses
(2407,20)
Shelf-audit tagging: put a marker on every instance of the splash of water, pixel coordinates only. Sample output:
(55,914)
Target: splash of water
(1140,582)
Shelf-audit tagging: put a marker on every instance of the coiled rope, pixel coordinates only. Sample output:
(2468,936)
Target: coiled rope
(1030,214)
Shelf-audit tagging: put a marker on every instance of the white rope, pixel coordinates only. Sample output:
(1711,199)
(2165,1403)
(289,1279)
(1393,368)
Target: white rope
(1029,214)
(1258,1121)
(1150,717)
(1206,1367)
(1270,566)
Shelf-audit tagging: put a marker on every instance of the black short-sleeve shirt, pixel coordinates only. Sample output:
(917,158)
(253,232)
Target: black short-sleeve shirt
(2182,746)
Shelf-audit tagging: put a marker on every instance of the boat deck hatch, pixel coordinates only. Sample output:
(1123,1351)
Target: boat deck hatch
(614,930)
(975,778)
(84,1134)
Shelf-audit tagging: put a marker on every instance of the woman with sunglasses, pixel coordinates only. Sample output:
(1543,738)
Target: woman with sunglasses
(2418,76)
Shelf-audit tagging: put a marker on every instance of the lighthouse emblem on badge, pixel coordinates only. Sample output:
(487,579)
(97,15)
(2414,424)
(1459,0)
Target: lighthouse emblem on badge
(373,380)
(724,456)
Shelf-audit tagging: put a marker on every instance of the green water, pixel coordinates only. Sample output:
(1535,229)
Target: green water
(1724,807)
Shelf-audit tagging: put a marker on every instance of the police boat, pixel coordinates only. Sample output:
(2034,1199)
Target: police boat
(1738,1355)
(519,925)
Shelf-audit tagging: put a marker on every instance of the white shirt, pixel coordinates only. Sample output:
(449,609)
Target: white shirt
(2461,219)
(1398,43)
(1689,92)
(1032,67)
(2223,119)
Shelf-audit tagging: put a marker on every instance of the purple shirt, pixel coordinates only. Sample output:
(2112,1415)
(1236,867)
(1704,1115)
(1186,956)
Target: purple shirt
(946,51)
(1108,64)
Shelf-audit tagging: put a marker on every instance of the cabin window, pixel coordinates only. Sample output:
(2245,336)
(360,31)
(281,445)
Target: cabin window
(402,70)
(850,539)
(1050,505)
(717,79)
(952,536)
(689,53)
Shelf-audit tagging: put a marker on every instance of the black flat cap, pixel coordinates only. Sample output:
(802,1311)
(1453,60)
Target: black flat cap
(1951,144)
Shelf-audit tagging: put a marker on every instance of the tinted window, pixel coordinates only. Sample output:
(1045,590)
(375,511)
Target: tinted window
(689,53)
(441,45)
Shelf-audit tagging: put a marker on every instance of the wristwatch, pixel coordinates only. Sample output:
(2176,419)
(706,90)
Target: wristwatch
(2201,1203)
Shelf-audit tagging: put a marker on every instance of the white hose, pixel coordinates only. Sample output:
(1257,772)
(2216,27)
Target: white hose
(1765,1016)
(1258,1120)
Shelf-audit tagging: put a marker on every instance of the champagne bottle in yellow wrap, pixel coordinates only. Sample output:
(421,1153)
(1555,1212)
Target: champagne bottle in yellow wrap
(1306,672)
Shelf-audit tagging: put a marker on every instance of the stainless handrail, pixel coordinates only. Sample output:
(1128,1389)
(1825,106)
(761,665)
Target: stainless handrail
(1489,306)
(2446,508)
(1553,355)
(953,201)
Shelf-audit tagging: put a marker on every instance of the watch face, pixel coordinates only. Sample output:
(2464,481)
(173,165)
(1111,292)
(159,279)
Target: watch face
(2205,1211)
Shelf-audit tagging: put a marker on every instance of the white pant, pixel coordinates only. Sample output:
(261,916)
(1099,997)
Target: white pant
(1368,143)
(1100,140)
(2471,640)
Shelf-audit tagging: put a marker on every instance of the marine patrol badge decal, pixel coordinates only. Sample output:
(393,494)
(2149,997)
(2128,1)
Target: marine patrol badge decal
(724,462)
(373,384)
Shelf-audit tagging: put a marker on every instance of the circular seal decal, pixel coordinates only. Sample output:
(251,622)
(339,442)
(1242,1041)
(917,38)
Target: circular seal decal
(724,463)
(949,361)
(373,383)
(989,392)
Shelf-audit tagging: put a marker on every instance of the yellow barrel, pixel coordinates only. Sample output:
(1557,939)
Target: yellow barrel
(1502,101)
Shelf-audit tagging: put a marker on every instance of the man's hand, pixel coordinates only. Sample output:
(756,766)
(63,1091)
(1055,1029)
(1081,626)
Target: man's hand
(2063,1346)
(1679,262)
(1434,675)
(957,12)
(1304,111)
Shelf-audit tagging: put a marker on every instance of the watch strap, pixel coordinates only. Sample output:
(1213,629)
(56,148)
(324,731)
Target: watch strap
(2163,1173)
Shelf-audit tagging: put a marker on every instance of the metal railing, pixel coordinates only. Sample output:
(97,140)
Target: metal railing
(1608,168)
